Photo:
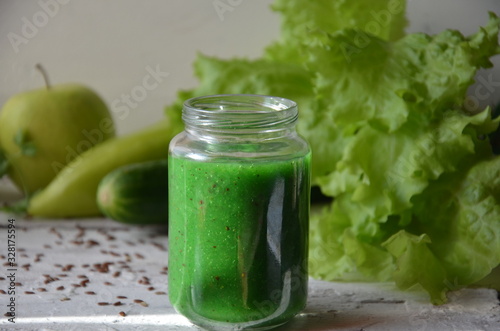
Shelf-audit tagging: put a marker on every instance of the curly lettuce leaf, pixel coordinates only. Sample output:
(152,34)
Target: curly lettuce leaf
(385,19)
(417,265)
(412,156)
(461,214)
(361,78)
(397,106)
(459,217)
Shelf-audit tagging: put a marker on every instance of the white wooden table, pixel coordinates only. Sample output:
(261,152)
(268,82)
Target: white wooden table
(96,274)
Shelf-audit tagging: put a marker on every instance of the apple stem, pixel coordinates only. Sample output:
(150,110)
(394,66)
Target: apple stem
(40,68)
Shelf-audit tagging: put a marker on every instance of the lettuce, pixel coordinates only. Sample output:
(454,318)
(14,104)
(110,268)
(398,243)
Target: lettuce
(415,183)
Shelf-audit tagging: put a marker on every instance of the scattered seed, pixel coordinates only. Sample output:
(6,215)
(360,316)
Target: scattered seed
(81,231)
(29,292)
(144,281)
(47,246)
(103,303)
(18,284)
(102,267)
(65,299)
(54,231)
(160,293)
(121,297)
(81,276)
(116,274)
(41,289)
(2,278)
(68,267)
(151,288)
(49,279)
(108,283)
(159,246)
(37,258)
(60,288)
(139,256)
(117,303)
(122,314)
(141,302)
(90,292)
(91,243)
(3,292)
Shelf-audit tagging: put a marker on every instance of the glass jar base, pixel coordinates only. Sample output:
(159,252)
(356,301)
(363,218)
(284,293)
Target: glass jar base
(221,326)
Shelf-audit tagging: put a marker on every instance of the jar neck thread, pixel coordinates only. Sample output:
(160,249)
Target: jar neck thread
(239,115)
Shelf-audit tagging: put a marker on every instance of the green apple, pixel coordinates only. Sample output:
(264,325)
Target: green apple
(43,130)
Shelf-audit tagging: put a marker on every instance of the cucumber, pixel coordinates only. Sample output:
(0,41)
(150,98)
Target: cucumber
(136,193)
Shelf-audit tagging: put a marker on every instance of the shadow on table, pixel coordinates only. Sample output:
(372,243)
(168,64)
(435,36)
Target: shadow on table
(329,320)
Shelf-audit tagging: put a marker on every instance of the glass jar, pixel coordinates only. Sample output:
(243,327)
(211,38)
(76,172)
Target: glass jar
(239,191)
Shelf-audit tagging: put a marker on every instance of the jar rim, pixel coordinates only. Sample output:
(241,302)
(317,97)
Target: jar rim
(231,103)
(239,113)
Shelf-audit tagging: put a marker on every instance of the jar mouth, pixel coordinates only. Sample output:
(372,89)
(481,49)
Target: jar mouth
(239,112)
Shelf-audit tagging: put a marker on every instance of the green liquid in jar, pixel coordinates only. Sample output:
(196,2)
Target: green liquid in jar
(238,232)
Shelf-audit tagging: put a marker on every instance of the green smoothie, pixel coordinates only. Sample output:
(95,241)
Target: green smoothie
(238,232)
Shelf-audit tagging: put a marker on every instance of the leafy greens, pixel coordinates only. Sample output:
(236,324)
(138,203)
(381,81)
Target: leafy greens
(416,186)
